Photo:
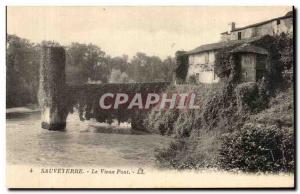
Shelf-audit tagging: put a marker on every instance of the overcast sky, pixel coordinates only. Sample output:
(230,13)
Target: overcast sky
(157,31)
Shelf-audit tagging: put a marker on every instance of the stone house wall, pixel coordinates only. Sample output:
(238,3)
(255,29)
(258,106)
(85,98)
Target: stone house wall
(201,65)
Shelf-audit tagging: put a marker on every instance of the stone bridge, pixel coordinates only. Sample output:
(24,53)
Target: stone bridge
(57,99)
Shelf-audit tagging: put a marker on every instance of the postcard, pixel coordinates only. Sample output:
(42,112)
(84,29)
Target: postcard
(150,97)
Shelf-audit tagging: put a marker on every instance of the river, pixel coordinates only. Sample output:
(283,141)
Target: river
(82,144)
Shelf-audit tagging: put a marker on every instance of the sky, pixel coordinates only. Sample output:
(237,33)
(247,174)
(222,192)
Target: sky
(159,31)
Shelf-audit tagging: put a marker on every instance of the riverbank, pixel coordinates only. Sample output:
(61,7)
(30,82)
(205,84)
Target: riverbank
(19,111)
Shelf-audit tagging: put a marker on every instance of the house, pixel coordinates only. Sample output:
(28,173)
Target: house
(272,27)
(253,62)
(253,59)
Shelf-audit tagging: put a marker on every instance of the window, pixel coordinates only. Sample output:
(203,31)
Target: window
(278,22)
(239,35)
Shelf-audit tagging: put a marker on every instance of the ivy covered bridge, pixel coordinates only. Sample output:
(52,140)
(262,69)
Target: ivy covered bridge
(57,99)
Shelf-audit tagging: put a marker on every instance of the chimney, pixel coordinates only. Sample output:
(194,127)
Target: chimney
(231,26)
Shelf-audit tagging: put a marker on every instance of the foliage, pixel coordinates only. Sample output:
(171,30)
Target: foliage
(286,50)
(191,152)
(280,49)
(258,148)
(181,66)
(265,143)
(193,79)
(145,68)
(168,158)
(161,121)
(279,112)
(179,122)
(284,44)
(86,99)
(252,97)
(223,62)
(185,123)
(89,61)
(22,68)
(203,145)
(84,63)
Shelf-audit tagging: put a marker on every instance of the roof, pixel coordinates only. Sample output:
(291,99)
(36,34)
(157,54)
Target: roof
(220,45)
(288,15)
(247,48)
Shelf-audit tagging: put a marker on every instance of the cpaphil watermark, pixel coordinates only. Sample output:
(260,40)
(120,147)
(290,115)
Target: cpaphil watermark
(148,101)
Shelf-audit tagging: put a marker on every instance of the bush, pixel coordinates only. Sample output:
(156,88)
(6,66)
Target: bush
(161,121)
(168,158)
(284,44)
(279,112)
(181,66)
(285,47)
(264,145)
(252,96)
(191,153)
(258,148)
(193,79)
(185,123)
(177,121)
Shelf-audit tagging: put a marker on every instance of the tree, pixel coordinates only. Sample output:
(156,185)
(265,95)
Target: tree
(145,68)
(120,63)
(22,66)
(89,61)
(168,68)
(83,62)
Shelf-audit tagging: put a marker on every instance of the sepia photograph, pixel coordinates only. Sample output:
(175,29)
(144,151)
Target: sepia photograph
(152,97)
